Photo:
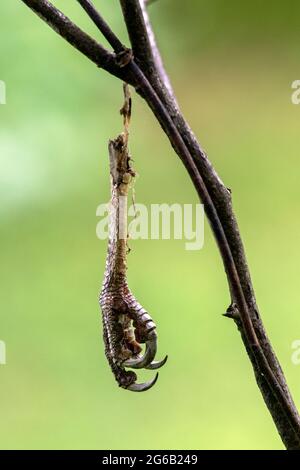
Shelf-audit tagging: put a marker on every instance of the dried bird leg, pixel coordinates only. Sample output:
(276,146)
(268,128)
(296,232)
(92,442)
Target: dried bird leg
(126,324)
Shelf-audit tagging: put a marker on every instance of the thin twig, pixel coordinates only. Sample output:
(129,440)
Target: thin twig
(62,25)
(95,16)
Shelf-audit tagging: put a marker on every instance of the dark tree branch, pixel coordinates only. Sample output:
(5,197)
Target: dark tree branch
(62,25)
(148,56)
(95,16)
(145,48)
(147,75)
(155,53)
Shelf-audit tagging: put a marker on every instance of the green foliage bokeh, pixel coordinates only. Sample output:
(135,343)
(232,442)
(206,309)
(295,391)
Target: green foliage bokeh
(232,65)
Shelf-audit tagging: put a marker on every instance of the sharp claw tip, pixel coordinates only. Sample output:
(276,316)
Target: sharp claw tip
(157,364)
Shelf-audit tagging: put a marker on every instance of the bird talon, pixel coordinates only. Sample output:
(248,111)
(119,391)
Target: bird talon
(126,324)
(157,364)
(142,387)
(142,362)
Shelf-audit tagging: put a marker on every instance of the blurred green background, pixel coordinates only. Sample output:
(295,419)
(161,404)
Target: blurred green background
(232,65)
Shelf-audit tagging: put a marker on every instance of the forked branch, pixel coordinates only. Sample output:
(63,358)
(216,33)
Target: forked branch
(145,71)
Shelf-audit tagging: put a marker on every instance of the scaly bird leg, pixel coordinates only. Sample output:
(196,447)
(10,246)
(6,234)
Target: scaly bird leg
(126,325)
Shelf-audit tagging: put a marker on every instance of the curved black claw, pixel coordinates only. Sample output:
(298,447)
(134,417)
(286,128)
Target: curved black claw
(144,361)
(157,364)
(142,387)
